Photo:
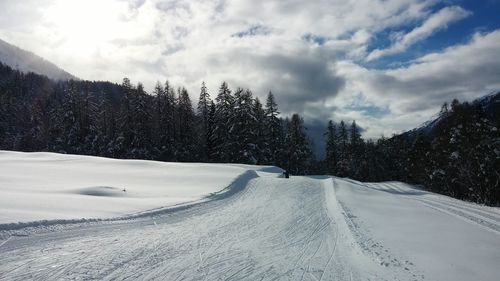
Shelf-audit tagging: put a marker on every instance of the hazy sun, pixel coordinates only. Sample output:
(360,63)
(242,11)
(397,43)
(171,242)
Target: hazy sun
(81,27)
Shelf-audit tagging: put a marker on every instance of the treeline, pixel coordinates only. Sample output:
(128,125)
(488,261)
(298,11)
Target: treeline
(458,156)
(123,121)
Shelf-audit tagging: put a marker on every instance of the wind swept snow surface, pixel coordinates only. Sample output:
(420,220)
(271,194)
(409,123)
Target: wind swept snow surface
(50,186)
(269,228)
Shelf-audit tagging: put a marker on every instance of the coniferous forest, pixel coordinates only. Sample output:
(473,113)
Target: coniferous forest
(458,154)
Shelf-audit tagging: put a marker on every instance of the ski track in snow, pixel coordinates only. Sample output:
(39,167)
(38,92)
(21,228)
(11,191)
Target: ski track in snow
(273,229)
(488,219)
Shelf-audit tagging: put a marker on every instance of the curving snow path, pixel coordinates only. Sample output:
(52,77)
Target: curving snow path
(302,228)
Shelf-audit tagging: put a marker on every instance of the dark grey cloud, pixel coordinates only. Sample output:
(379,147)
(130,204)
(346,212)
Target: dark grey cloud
(315,130)
(253,31)
(303,79)
(298,80)
(315,39)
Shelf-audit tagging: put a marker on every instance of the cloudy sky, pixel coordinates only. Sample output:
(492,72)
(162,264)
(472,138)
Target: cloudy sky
(388,64)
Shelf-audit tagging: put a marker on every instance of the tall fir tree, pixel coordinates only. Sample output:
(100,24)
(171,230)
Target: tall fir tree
(342,153)
(355,152)
(222,138)
(243,128)
(204,103)
(299,151)
(274,131)
(261,144)
(186,145)
(331,148)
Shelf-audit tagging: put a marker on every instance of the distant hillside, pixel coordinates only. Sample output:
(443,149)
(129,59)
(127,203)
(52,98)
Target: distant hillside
(456,154)
(25,61)
(489,105)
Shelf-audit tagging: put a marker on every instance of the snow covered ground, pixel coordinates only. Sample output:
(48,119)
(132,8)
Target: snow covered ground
(431,236)
(50,186)
(269,228)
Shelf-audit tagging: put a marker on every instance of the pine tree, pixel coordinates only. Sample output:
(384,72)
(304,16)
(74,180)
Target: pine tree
(243,128)
(124,138)
(141,145)
(331,148)
(168,146)
(204,103)
(211,132)
(356,151)
(105,127)
(222,137)
(274,131)
(159,116)
(343,157)
(299,155)
(261,144)
(68,124)
(186,146)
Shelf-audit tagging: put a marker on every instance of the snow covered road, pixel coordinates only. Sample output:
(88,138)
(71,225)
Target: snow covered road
(275,229)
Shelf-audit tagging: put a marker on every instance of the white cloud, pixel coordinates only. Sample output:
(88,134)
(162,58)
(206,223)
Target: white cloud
(413,94)
(433,24)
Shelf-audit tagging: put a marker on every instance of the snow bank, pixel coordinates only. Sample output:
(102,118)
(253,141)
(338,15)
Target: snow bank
(58,187)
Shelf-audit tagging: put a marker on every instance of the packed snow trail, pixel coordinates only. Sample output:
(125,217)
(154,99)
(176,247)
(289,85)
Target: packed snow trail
(275,229)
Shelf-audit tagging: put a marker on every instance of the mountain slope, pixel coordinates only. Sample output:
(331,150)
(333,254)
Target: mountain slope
(489,105)
(29,62)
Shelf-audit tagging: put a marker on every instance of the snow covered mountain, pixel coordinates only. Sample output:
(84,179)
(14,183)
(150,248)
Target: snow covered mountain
(490,104)
(25,61)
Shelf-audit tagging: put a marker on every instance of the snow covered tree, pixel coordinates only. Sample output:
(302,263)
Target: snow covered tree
(141,141)
(243,129)
(186,143)
(222,137)
(331,148)
(211,132)
(274,131)
(342,154)
(298,147)
(261,144)
(355,152)
(106,128)
(204,103)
